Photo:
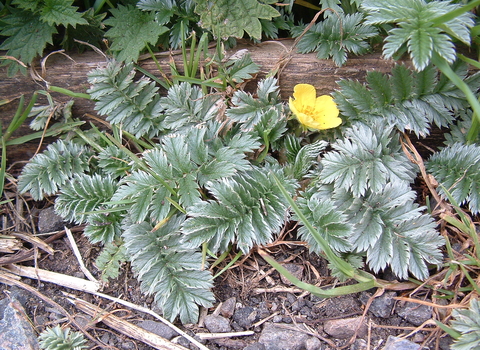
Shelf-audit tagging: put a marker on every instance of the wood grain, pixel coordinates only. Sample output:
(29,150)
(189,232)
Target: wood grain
(71,73)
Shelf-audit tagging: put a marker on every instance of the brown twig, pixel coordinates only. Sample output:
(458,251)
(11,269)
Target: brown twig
(10,279)
(124,326)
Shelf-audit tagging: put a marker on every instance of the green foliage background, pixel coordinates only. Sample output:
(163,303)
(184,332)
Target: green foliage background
(186,177)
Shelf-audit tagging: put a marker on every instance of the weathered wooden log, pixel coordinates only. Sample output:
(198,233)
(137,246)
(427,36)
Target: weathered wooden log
(71,73)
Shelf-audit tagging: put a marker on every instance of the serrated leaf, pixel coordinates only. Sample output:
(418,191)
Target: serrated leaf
(84,194)
(168,270)
(336,36)
(330,223)
(227,18)
(61,12)
(457,169)
(247,210)
(418,27)
(242,69)
(110,259)
(48,171)
(131,31)
(27,37)
(420,46)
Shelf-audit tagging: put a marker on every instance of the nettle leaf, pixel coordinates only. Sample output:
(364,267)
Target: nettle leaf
(336,36)
(410,100)
(226,18)
(415,29)
(249,111)
(84,194)
(242,69)
(368,158)
(135,106)
(61,12)
(27,36)
(457,169)
(46,172)
(247,209)
(169,271)
(131,31)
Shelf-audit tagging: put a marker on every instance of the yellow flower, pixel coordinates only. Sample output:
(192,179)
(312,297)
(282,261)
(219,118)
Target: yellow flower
(314,113)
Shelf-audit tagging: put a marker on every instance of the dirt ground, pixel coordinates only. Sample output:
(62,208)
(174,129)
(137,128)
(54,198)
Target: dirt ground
(252,282)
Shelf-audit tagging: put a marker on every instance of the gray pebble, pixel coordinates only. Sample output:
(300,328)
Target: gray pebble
(345,328)
(394,343)
(49,221)
(228,307)
(415,313)
(158,328)
(217,324)
(277,336)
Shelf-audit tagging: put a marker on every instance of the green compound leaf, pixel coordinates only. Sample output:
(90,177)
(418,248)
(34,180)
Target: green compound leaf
(457,169)
(467,322)
(56,12)
(58,339)
(227,18)
(418,28)
(84,194)
(336,36)
(368,158)
(248,209)
(48,171)
(168,270)
(110,259)
(132,30)
(27,37)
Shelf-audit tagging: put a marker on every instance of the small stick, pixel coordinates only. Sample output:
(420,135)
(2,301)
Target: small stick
(207,336)
(10,279)
(259,323)
(278,290)
(154,314)
(74,246)
(124,326)
(54,277)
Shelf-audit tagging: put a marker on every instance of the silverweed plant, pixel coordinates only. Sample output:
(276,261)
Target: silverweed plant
(182,179)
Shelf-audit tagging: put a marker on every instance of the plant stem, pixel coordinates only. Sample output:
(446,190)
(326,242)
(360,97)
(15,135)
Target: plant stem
(445,68)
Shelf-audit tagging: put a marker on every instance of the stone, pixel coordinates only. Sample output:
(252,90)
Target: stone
(313,343)
(245,317)
(359,344)
(158,328)
(16,331)
(228,307)
(395,343)
(49,221)
(294,269)
(414,313)
(255,346)
(217,324)
(381,306)
(278,336)
(345,328)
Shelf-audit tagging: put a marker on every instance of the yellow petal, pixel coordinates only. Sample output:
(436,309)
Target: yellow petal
(305,95)
(293,108)
(326,113)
